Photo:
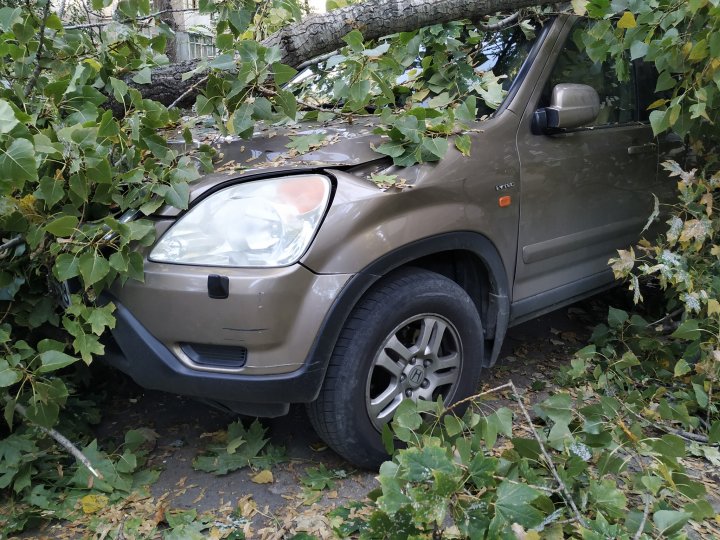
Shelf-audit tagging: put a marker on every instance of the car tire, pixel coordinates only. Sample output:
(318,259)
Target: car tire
(414,335)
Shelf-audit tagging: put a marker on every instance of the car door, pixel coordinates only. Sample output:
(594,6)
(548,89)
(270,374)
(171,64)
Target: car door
(585,192)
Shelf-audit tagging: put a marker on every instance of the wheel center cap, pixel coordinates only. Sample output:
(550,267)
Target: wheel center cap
(416,376)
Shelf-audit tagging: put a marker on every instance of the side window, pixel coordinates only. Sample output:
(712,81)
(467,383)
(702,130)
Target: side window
(617,99)
(646,76)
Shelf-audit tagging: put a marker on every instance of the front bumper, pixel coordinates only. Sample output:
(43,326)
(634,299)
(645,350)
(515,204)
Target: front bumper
(279,316)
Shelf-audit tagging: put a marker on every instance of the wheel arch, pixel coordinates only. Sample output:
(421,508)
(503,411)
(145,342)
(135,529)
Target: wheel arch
(467,258)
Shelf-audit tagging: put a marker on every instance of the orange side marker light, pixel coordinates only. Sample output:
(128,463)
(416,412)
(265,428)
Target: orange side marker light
(504,201)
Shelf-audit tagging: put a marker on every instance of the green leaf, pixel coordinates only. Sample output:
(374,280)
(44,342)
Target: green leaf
(558,408)
(203,105)
(54,360)
(305,143)
(101,318)
(93,267)
(638,49)
(7,117)
(388,439)
(66,267)
(87,345)
(219,461)
(659,121)
(392,148)
(63,226)
(144,76)
(700,510)
(467,110)
(453,425)
(406,415)
(668,446)
(9,17)
(688,330)
(43,145)
(608,498)
(282,73)
(360,92)
(224,62)
(8,375)
(616,317)
(242,121)
(436,146)
(120,89)
(378,51)
(462,143)
(714,433)
(670,521)
(682,368)
(51,191)
(287,103)
(699,51)
(17,166)
(355,40)
(627,360)
(665,81)
(43,413)
(513,504)
(178,195)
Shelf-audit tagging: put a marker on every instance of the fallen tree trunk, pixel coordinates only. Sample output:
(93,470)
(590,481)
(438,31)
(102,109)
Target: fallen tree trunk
(323,33)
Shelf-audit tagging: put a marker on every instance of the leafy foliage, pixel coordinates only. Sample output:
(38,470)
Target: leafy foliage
(72,172)
(454,478)
(237,448)
(84,158)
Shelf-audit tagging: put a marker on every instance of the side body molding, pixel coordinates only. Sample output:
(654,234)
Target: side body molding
(497,312)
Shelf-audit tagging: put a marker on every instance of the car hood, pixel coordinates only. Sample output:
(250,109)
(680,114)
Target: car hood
(333,144)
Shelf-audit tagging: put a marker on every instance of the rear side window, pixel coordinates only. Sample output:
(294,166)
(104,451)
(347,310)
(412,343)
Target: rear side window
(617,98)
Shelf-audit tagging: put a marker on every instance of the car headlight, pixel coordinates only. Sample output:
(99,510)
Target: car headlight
(262,223)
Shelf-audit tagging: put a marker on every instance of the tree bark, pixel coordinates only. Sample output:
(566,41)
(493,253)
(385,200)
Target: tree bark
(322,33)
(169,18)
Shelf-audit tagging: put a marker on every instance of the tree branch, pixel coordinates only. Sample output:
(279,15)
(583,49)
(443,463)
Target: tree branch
(187,92)
(101,24)
(548,460)
(646,513)
(321,34)
(59,437)
(694,437)
(38,68)
(504,23)
(273,93)
(16,241)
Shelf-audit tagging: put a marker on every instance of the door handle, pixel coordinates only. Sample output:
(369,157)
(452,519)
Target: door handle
(648,148)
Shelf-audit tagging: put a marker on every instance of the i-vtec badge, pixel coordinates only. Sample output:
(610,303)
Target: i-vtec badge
(503,187)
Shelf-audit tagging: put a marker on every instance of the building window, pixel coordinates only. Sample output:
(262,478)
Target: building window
(201,46)
(191,4)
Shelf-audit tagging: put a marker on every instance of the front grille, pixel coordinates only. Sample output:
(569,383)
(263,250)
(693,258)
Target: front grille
(222,356)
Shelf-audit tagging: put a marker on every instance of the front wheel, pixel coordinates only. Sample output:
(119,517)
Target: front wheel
(415,335)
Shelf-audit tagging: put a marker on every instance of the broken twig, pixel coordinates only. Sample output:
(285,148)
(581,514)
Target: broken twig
(60,438)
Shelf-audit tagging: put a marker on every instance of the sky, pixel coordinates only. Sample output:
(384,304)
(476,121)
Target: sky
(317,5)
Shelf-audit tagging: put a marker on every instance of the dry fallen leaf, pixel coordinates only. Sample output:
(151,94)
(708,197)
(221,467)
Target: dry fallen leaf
(318,447)
(263,477)
(247,507)
(93,503)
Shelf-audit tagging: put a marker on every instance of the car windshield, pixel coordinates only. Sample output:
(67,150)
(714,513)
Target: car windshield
(439,66)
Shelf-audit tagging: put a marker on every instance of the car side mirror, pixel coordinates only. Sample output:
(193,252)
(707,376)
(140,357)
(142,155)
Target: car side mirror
(571,106)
